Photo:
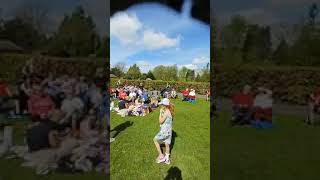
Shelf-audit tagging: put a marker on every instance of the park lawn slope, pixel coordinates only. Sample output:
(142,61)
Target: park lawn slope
(133,153)
(290,151)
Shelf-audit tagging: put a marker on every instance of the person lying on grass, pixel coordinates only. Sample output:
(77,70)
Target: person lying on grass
(165,133)
(242,103)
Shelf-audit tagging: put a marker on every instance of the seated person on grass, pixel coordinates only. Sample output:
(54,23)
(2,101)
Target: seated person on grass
(72,107)
(41,135)
(263,105)
(8,103)
(173,93)
(154,103)
(313,106)
(192,95)
(185,95)
(123,104)
(39,103)
(122,94)
(145,96)
(242,103)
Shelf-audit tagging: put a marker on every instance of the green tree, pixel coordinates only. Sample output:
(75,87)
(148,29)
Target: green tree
(257,45)
(133,72)
(23,34)
(76,36)
(305,48)
(198,78)
(144,76)
(190,75)
(281,54)
(165,73)
(103,49)
(117,72)
(183,74)
(233,35)
(150,75)
(205,74)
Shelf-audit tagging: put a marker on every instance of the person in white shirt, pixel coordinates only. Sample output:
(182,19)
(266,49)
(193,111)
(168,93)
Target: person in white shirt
(192,95)
(263,105)
(72,107)
(173,93)
(132,96)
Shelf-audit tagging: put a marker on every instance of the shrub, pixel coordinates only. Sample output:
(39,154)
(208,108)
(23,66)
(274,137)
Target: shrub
(289,84)
(200,88)
(12,64)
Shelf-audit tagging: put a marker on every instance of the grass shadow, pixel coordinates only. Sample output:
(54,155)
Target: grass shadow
(174,173)
(174,135)
(121,127)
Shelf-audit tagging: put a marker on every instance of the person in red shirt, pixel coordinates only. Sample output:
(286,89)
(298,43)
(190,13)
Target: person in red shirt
(40,103)
(122,95)
(242,103)
(8,103)
(185,95)
(313,106)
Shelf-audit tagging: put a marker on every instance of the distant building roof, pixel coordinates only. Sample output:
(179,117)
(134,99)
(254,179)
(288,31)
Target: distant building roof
(9,46)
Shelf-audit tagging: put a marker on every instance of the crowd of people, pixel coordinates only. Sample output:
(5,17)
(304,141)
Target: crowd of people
(253,108)
(133,100)
(67,118)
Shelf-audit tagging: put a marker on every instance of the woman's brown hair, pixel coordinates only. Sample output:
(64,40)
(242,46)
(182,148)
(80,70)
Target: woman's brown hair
(171,109)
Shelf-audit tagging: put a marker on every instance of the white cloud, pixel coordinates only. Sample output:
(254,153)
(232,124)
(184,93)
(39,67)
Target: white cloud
(191,66)
(200,60)
(157,40)
(143,63)
(125,27)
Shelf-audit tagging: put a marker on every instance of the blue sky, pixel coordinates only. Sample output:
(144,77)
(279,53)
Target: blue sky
(149,35)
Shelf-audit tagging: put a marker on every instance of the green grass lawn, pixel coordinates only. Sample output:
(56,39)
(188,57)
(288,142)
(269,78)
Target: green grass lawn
(133,152)
(11,169)
(290,151)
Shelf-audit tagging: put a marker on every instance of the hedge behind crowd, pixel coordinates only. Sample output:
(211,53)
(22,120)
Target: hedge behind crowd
(12,64)
(200,87)
(289,84)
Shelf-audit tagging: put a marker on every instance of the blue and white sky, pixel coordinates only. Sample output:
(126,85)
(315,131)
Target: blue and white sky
(265,12)
(98,9)
(150,34)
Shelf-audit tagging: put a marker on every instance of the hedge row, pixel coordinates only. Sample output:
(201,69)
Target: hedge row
(12,64)
(289,84)
(200,88)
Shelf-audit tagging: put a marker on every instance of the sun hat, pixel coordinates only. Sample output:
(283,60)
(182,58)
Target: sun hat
(165,101)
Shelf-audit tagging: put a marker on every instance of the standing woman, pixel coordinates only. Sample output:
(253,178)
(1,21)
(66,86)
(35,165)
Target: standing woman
(165,134)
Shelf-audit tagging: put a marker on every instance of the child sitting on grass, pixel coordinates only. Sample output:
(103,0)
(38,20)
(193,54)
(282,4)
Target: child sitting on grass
(165,133)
